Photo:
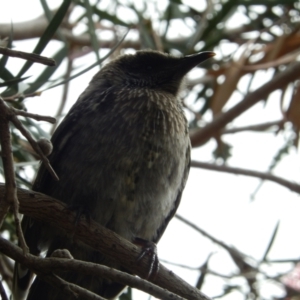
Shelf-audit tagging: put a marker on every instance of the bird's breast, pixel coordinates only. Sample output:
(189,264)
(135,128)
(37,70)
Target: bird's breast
(153,167)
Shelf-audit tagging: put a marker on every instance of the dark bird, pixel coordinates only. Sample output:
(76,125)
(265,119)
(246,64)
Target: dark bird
(122,154)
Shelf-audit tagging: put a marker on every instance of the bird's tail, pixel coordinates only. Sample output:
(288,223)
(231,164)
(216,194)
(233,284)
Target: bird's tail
(21,282)
(23,276)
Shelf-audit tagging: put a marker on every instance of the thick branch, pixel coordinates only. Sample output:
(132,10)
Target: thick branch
(53,212)
(45,266)
(238,171)
(278,82)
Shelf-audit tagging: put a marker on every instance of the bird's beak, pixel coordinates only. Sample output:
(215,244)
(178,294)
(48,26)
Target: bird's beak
(188,62)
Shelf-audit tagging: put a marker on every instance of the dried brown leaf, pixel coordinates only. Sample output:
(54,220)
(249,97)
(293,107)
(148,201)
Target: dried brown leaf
(275,49)
(232,77)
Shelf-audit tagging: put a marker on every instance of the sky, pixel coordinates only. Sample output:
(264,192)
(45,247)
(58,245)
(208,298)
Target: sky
(219,203)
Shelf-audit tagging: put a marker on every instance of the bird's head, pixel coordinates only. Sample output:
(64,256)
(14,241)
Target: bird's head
(151,69)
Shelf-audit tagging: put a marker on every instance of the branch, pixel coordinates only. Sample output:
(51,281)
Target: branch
(10,198)
(278,82)
(34,116)
(238,171)
(46,209)
(256,127)
(36,27)
(7,161)
(70,289)
(208,271)
(21,95)
(237,256)
(44,266)
(204,233)
(28,56)
(34,145)
(8,114)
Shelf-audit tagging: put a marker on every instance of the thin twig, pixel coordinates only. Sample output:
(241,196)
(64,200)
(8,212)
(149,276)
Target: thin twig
(257,127)
(28,56)
(10,198)
(283,261)
(239,171)
(21,95)
(34,116)
(199,269)
(204,233)
(34,145)
(236,255)
(10,193)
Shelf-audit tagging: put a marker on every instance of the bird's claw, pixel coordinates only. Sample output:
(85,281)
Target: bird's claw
(149,249)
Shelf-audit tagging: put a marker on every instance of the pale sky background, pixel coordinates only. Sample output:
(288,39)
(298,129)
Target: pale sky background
(218,203)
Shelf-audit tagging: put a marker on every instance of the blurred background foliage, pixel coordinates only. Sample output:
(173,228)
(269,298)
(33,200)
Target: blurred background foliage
(249,37)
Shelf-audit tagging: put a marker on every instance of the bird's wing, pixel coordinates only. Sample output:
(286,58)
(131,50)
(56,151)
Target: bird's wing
(60,139)
(66,131)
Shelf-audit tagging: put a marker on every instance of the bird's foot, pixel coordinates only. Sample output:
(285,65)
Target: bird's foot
(148,248)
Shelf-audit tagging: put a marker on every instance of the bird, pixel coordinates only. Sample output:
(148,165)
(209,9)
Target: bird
(122,155)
